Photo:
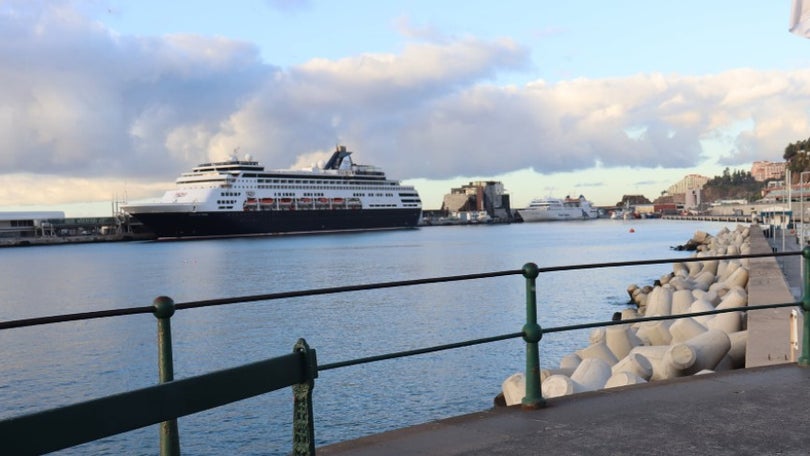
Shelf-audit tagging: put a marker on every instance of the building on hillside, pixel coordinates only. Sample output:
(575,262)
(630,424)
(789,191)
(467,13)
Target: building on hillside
(689,182)
(692,200)
(29,224)
(766,170)
(480,196)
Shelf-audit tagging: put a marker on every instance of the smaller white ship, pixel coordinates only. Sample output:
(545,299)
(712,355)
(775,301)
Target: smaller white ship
(552,209)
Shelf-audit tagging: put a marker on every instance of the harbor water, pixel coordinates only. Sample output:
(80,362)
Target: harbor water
(60,364)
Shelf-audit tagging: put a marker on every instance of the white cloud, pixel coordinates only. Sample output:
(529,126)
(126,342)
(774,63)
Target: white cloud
(83,102)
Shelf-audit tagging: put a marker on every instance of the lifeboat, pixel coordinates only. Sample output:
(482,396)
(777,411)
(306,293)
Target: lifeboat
(305,200)
(338,200)
(323,200)
(285,201)
(268,201)
(250,204)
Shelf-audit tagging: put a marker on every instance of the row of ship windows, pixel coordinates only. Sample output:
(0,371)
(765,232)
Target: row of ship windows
(311,187)
(373,194)
(226,184)
(287,182)
(290,194)
(316,182)
(370,205)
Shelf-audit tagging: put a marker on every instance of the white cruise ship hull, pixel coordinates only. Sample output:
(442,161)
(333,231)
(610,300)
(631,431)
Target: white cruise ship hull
(539,215)
(556,209)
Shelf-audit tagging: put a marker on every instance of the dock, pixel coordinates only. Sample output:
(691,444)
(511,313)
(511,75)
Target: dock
(711,218)
(753,411)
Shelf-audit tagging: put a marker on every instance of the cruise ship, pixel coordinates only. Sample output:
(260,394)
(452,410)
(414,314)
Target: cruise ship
(239,198)
(550,209)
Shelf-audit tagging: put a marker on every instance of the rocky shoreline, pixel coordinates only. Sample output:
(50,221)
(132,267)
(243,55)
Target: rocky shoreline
(634,353)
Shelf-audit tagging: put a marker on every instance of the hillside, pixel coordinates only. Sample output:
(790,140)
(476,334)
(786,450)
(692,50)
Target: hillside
(731,186)
(747,191)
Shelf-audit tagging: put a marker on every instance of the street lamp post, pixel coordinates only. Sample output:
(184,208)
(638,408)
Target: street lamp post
(801,216)
(801,206)
(788,187)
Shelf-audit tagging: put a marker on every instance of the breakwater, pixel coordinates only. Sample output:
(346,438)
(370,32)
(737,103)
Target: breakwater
(622,355)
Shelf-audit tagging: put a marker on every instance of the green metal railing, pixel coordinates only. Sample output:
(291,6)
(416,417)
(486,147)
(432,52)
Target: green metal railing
(55,429)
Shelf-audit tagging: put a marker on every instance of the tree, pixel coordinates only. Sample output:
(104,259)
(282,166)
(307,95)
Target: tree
(797,157)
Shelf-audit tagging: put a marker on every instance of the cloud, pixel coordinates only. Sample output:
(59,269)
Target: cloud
(79,100)
(83,102)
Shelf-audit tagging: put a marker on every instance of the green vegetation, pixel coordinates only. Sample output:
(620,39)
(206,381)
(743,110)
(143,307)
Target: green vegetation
(737,184)
(797,157)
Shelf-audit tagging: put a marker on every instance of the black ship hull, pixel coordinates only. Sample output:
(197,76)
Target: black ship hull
(246,223)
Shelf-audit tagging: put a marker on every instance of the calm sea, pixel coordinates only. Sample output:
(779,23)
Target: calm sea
(59,364)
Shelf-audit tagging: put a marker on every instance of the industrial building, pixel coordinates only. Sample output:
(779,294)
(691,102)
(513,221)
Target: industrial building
(29,224)
(480,198)
(52,227)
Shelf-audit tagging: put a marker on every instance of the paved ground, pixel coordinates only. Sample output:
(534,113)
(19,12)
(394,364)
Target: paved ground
(753,411)
(772,281)
(791,266)
(760,411)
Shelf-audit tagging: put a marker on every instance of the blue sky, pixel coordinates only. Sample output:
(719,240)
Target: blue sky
(101,99)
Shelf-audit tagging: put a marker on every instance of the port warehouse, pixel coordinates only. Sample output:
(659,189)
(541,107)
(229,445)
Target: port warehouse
(54,223)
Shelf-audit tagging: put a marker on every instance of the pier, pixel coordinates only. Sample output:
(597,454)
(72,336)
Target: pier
(711,218)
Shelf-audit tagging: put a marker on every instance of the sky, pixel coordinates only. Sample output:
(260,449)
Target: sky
(104,101)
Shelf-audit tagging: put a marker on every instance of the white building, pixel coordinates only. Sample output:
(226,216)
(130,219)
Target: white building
(27,224)
(692,198)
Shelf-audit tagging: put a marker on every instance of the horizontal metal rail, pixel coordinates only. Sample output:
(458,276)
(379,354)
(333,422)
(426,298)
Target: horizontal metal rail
(554,329)
(10,324)
(92,420)
(668,317)
(419,351)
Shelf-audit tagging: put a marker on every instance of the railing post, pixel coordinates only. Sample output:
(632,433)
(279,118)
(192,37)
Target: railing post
(303,419)
(804,359)
(532,333)
(164,309)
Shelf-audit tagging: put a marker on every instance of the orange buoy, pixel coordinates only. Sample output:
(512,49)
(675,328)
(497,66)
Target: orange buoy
(632,230)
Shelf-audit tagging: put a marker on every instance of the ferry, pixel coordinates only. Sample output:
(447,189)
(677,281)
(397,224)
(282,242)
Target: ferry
(239,198)
(551,209)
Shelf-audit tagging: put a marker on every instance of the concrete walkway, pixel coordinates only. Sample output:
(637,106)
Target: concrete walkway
(753,411)
(772,281)
(760,411)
